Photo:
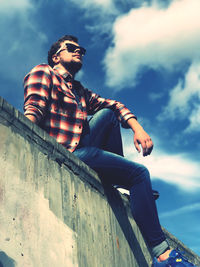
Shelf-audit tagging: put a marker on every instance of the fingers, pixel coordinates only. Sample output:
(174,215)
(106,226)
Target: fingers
(143,140)
(147,147)
(136,143)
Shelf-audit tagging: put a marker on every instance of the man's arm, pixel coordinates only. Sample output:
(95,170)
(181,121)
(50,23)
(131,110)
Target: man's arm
(140,137)
(36,92)
(32,118)
(96,103)
(126,118)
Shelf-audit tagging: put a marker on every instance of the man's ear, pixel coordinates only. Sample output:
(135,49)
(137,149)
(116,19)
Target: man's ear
(56,59)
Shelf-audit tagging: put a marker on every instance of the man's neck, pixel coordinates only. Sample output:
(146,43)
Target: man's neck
(63,70)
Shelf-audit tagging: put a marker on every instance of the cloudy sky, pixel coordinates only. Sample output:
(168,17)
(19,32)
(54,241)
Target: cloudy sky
(141,52)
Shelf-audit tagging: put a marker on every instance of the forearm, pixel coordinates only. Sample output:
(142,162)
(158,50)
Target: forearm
(37,86)
(97,103)
(134,124)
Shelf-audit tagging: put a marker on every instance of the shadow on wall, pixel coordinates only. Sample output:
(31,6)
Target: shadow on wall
(5,261)
(113,197)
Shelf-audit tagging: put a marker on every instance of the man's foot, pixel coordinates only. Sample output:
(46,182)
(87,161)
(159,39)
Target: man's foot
(176,259)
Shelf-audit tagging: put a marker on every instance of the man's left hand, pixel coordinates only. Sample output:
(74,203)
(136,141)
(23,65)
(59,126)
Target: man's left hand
(143,139)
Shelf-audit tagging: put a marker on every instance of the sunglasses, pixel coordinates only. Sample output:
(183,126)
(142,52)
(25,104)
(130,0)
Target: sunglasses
(71,48)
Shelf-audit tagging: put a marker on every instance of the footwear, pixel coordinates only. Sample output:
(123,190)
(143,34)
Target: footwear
(126,192)
(176,259)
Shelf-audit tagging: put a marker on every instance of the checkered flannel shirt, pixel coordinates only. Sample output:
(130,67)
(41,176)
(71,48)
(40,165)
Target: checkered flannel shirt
(59,110)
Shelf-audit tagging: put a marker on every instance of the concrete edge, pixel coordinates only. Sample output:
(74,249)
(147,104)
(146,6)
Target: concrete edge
(49,146)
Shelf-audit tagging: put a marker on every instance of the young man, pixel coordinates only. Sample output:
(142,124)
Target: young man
(60,105)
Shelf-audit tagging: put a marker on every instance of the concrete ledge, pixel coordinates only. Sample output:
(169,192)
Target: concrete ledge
(20,124)
(54,209)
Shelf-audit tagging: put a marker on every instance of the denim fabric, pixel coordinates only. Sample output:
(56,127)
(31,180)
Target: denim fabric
(101,148)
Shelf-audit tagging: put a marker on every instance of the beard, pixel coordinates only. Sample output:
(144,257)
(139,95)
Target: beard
(73,67)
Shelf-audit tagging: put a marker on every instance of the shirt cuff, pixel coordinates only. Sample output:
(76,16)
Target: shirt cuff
(34,112)
(126,118)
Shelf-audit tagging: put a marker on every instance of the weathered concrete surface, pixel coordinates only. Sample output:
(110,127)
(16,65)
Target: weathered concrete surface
(54,210)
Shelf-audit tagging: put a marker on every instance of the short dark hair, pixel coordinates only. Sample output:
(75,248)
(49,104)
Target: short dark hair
(54,48)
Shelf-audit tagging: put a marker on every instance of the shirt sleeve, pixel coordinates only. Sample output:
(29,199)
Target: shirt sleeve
(36,91)
(95,103)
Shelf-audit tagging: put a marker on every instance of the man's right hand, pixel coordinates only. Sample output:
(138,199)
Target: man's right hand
(32,118)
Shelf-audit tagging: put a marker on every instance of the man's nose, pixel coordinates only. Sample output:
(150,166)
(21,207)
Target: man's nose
(77,51)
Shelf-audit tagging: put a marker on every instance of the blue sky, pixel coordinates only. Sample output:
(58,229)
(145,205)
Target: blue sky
(143,53)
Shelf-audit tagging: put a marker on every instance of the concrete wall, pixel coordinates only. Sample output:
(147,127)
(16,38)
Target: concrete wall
(54,210)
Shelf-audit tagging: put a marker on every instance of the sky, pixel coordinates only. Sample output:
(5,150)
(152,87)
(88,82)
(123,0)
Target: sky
(143,53)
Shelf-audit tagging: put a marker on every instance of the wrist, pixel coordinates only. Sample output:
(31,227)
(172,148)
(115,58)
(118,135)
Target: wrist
(134,124)
(32,118)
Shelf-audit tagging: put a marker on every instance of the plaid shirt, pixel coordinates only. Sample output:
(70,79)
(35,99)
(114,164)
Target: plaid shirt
(62,110)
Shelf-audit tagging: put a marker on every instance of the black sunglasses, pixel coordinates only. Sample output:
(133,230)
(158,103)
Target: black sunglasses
(71,48)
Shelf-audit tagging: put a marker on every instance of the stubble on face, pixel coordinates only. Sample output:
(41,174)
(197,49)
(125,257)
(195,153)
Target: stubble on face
(73,66)
(74,63)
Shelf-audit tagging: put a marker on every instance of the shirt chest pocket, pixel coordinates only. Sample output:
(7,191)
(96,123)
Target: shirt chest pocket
(64,105)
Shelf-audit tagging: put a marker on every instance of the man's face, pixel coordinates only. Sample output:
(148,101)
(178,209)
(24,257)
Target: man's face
(70,60)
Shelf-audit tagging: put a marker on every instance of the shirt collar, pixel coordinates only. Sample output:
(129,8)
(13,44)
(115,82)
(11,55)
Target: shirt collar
(65,74)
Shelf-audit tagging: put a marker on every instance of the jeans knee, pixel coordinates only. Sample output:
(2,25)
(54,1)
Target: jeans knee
(145,172)
(107,112)
(108,116)
(140,174)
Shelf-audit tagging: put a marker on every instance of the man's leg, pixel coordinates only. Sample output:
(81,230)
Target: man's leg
(103,131)
(115,169)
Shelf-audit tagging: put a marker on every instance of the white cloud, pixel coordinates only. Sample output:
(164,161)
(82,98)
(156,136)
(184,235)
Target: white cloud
(21,46)
(177,169)
(99,6)
(97,3)
(194,119)
(152,37)
(184,101)
(22,40)
(102,14)
(177,212)
(10,6)
(154,96)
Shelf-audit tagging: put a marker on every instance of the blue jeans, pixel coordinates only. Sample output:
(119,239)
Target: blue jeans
(100,147)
